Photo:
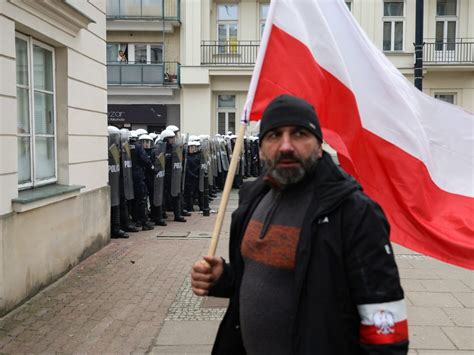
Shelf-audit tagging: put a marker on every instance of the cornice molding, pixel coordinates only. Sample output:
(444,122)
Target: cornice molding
(62,13)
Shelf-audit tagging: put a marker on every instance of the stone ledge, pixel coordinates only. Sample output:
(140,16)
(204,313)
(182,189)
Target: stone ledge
(45,195)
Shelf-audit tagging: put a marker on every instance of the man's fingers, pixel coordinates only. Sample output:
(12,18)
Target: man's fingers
(201,284)
(202,277)
(199,292)
(202,267)
(212,260)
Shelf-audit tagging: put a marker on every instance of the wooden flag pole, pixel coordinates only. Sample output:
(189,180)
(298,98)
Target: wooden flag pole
(227,188)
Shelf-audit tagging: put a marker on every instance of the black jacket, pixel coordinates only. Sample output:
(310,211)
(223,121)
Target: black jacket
(341,262)
(141,163)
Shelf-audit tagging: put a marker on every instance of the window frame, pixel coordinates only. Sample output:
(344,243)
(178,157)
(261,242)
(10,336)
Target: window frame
(445,19)
(261,21)
(34,182)
(393,20)
(226,111)
(227,22)
(446,93)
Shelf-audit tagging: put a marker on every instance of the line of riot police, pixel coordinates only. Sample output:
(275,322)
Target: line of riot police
(150,175)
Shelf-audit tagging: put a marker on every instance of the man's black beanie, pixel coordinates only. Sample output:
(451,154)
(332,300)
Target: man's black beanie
(286,110)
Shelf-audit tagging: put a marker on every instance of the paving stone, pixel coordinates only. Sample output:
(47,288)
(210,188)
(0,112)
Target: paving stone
(418,274)
(466,298)
(188,333)
(463,317)
(412,285)
(428,316)
(182,349)
(462,337)
(432,299)
(444,352)
(429,337)
(446,285)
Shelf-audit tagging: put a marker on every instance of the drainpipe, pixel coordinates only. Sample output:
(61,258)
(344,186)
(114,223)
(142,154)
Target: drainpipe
(419,45)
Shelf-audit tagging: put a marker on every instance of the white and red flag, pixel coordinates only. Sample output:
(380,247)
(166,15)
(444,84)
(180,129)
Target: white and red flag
(413,154)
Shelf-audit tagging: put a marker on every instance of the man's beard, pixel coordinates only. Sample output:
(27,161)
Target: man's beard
(289,176)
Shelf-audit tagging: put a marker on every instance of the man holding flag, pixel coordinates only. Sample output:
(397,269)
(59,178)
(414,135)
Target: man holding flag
(311,267)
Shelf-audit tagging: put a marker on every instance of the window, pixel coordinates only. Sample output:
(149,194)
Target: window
(446,11)
(135,53)
(36,123)
(349,4)
(227,25)
(393,23)
(134,8)
(451,98)
(225,113)
(263,17)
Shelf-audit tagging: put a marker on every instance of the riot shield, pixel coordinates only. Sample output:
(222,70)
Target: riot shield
(114,168)
(127,170)
(185,157)
(204,167)
(176,169)
(159,151)
(214,158)
(218,155)
(224,155)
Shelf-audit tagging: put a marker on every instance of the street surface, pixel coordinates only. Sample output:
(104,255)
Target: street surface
(134,296)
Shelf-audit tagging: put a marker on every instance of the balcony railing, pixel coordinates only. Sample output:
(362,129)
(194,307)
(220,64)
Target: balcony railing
(234,53)
(458,52)
(159,74)
(144,9)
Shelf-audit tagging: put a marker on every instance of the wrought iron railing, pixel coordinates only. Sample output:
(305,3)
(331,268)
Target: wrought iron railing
(140,9)
(155,74)
(459,51)
(236,53)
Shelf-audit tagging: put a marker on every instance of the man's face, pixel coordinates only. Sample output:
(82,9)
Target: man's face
(290,152)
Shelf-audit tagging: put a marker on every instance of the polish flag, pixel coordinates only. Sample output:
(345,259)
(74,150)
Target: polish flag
(412,154)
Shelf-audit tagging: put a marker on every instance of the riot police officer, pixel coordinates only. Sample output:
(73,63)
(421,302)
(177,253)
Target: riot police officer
(173,173)
(193,168)
(140,164)
(114,182)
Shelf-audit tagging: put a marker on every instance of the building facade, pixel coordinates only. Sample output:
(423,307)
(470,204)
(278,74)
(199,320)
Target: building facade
(53,141)
(143,63)
(220,40)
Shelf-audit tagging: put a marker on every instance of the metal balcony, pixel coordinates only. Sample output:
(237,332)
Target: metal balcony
(144,9)
(458,52)
(229,53)
(159,74)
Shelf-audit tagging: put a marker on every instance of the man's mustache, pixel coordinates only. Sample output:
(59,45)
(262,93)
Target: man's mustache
(288,157)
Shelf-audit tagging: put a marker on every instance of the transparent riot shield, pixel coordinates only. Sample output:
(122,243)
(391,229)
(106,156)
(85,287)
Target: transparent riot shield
(176,169)
(159,151)
(114,168)
(127,171)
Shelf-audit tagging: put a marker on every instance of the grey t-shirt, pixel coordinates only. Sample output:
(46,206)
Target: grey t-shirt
(267,294)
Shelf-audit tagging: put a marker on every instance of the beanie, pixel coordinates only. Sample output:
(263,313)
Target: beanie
(287,110)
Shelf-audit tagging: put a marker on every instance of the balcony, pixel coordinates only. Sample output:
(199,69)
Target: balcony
(132,74)
(144,9)
(229,53)
(458,52)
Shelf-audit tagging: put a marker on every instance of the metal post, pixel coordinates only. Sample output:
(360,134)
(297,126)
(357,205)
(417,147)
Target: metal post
(419,45)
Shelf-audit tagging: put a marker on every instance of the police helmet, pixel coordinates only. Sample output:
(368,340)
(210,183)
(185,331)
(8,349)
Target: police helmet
(167,134)
(172,128)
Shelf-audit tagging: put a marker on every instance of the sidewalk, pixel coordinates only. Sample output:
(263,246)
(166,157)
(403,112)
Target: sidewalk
(134,296)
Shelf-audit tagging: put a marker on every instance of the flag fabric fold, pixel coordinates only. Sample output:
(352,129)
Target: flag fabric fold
(412,154)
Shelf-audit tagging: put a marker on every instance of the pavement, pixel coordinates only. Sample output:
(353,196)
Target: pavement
(134,296)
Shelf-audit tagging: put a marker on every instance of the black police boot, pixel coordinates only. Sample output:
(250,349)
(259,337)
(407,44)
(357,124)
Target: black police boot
(160,222)
(180,219)
(185,213)
(130,229)
(147,226)
(119,234)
